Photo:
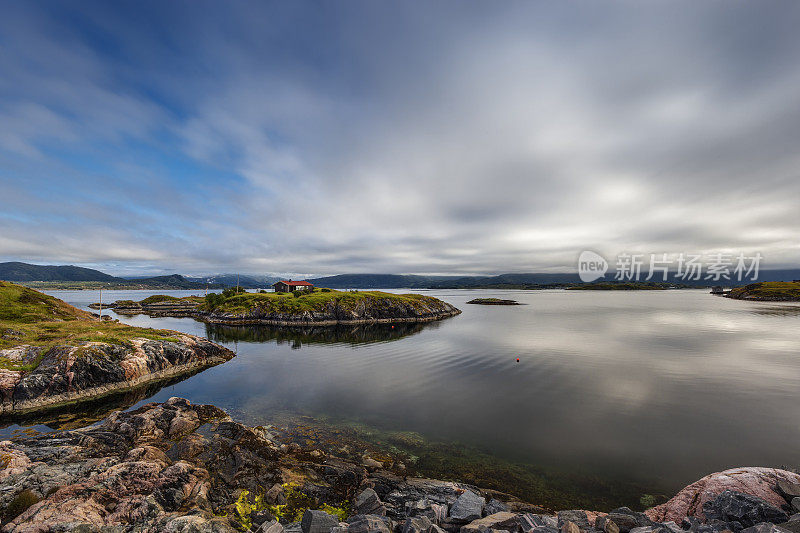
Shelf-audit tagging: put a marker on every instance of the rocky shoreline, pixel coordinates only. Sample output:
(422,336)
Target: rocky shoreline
(368,311)
(69,374)
(178,467)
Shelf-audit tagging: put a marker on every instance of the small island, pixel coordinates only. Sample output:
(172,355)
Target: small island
(768,291)
(317,307)
(53,354)
(493,301)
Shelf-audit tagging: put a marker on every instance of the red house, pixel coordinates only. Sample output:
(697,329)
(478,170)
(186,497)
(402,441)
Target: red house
(291,286)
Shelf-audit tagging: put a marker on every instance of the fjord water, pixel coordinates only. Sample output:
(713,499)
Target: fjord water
(655,387)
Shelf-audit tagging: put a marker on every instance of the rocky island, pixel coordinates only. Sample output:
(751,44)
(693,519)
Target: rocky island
(53,354)
(320,307)
(493,301)
(767,291)
(178,467)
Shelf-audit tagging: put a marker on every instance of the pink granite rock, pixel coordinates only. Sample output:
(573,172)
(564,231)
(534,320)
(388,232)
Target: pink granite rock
(755,481)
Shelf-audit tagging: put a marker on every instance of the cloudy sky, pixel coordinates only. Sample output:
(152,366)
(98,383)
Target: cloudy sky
(399,137)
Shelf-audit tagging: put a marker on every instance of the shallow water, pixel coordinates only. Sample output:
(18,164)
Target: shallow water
(654,387)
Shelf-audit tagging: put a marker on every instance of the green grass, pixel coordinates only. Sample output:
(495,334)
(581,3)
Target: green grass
(316,301)
(769,290)
(36,319)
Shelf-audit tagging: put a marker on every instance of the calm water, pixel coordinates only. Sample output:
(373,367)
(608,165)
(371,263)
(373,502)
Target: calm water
(655,387)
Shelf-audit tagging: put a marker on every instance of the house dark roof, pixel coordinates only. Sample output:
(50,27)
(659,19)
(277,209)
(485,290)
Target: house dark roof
(296,283)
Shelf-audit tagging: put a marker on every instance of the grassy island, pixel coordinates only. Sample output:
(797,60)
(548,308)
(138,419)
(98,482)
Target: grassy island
(324,307)
(768,291)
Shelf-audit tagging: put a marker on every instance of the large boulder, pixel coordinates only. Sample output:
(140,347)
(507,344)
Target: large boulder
(746,510)
(759,482)
(315,521)
(468,507)
(368,503)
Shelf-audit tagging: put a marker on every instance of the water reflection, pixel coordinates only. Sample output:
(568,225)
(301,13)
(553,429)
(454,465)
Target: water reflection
(778,310)
(296,337)
(83,414)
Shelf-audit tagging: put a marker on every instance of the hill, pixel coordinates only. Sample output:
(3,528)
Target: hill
(73,277)
(16,271)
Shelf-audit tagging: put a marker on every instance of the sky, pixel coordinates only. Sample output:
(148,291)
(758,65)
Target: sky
(441,137)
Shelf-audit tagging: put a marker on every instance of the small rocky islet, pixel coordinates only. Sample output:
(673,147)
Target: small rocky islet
(320,307)
(493,301)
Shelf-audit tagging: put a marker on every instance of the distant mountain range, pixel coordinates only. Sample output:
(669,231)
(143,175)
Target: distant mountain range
(59,276)
(513,281)
(68,276)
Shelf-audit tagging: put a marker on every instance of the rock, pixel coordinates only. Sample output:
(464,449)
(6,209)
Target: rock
(796,504)
(732,506)
(294,527)
(789,489)
(626,519)
(759,482)
(82,371)
(495,506)
(368,502)
(579,517)
(793,525)
(261,517)
(498,521)
(764,527)
(610,527)
(368,524)
(424,507)
(468,507)
(275,495)
(315,521)
(417,524)
(371,464)
(570,527)
(271,527)
(538,522)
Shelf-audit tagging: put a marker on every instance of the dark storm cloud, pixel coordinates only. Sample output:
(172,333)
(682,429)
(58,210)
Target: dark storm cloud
(396,137)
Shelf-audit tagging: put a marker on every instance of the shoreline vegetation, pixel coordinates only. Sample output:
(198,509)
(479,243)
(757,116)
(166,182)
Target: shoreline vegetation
(767,291)
(53,354)
(320,307)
